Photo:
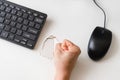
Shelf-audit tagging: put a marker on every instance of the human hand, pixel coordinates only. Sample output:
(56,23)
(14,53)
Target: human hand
(65,56)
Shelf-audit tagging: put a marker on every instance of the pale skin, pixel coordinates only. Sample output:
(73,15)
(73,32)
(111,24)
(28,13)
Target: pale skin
(65,57)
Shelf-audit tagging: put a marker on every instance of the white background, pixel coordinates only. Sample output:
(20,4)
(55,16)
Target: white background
(71,19)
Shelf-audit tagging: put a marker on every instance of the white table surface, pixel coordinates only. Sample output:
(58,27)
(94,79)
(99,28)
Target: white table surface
(71,19)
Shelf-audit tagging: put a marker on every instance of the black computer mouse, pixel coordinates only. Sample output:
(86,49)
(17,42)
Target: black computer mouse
(99,43)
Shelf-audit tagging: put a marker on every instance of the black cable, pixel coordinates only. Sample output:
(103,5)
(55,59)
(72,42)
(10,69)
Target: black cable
(103,12)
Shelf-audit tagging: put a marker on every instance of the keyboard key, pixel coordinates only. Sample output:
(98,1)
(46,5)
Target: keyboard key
(8,16)
(17,39)
(1,19)
(20,20)
(4,34)
(31,24)
(13,30)
(19,13)
(29,12)
(30,43)
(2,26)
(33,31)
(12,24)
(25,15)
(2,13)
(14,18)
(23,42)
(7,28)
(24,28)
(19,32)
(12,6)
(29,36)
(38,20)
(25,22)
(31,18)
(11,36)
(24,39)
(6,4)
(18,26)
(35,14)
(41,16)
(2,7)
(7,22)
(1,3)
(8,9)
(37,26)
(13,11)
(17,8)
(23,10)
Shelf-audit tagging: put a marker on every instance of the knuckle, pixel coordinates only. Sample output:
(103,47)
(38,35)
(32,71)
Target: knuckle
(78,50)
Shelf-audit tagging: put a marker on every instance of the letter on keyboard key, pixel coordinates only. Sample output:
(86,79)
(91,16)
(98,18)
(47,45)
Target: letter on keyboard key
(29,36)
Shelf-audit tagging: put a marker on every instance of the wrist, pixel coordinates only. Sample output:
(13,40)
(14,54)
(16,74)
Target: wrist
(62,75)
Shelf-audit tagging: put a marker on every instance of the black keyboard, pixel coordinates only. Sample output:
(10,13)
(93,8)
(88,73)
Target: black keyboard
(20,25)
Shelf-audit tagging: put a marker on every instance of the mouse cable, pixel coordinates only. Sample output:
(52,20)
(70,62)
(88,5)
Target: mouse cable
(103,12)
